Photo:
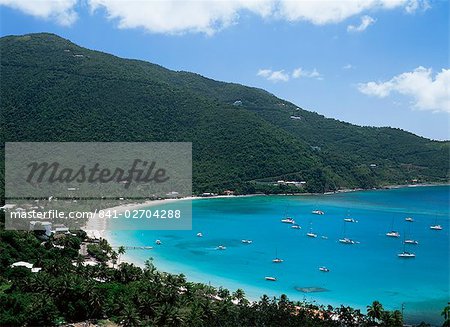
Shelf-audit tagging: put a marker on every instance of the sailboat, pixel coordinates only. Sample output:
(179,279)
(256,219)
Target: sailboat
(436,226)
(277,260)
(348,219)
(310,233)
(406,254)
(287,219)
(410,240)
(346,240)
(392,233)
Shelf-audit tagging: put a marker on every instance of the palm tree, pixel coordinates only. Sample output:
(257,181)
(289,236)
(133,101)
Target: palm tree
(121,251)
(375,311)
(240,296)
(446,314)
(387,319)
(168,315)
(129,317)
(114,257)
(95,301)
(397,318)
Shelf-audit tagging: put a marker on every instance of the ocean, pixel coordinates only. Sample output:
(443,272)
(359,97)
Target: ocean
(358,273)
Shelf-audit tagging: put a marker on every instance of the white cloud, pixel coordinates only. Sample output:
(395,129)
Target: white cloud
(415,5)
(366,21)
(208,17)
(322,12)
(427,93)
(282,76)
(274,76)
(348,66)
(175,17)
(300,72)
(62,11)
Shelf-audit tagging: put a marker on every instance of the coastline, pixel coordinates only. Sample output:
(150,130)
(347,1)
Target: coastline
(193,274)
(97,228)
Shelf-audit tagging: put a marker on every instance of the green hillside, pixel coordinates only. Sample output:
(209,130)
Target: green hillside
(54,90)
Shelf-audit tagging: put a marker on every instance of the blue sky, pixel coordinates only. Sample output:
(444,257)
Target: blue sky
(371,62)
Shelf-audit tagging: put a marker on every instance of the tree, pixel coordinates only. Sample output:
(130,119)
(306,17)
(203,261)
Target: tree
(374,311)
(387,319)
(129,317)
(121,251)
(240,296)
(168,315)
(446,314)
(397,318)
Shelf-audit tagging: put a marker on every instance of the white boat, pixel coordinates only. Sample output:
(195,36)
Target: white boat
(221,247)
(295,226)
(311,234)
(350,220)
(199,235)
(318,212)
(288,220)
(414,242)
(277,260)
(324,269)
(346,240)
(393,234)
(436,227)
(158,242)
(247,241)
(269,278)
(409,219)
(405,254)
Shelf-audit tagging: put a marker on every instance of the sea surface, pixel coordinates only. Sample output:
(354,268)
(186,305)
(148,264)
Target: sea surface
(359,273)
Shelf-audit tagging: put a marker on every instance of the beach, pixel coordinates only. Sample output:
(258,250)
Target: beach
(226,221)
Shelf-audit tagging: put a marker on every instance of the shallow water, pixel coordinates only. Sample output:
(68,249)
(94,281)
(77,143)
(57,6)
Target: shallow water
(359,273)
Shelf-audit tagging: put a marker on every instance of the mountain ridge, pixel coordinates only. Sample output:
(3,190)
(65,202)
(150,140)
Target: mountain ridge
(234,144)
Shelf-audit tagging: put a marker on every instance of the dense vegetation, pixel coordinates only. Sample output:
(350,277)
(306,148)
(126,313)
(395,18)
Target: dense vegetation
(54,90)
(67,291)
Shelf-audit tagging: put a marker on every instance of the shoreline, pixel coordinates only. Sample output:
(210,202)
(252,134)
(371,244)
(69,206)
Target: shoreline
(176,267)
(97,228)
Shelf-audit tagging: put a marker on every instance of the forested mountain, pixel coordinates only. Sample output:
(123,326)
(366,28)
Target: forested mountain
(54,90)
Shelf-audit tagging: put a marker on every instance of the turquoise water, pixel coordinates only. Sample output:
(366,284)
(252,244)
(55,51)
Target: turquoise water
(359,273)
